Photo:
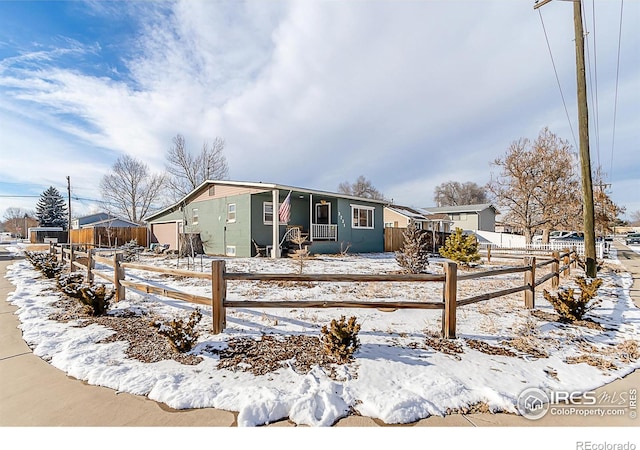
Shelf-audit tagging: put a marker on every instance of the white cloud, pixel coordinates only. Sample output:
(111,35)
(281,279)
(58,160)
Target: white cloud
(315,93)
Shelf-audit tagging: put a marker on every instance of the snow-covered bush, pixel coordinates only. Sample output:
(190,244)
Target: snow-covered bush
(96,298)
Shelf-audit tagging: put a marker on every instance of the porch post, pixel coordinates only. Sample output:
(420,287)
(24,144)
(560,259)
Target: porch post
(311,217)
(275,250)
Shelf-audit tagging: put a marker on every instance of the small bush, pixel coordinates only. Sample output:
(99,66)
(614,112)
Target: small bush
(71,283)
(461,248)
(340,339)
(571,309)
(182,335)
(130,251)
(96,298)
(46,263)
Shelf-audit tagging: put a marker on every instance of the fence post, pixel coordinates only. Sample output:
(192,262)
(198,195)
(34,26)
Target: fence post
(567,263)
(218,296)
(71,258)
(555,268)
(450,299)
(530,281)
(118,274)
(574,261)
(488,253)
(90,265)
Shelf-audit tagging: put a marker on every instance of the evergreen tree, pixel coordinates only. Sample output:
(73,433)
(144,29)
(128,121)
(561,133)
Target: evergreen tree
(413,257)
(461,248)
(51,210)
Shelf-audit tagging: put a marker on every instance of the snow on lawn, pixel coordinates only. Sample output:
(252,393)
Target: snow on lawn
(398,374)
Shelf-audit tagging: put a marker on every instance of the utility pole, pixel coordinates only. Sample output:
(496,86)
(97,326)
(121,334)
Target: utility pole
(583,126)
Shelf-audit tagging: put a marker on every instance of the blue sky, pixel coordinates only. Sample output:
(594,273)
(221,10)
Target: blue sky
(409,94)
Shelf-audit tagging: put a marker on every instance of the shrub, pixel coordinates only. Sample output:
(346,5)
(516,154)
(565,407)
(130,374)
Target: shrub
(340,339)
(461,248)
(571,309)
(182,336)
(71,283)
(130,251)
(413,257)
(45,263)
(96,298)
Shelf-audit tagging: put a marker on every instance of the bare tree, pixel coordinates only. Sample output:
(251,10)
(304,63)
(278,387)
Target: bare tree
(635,218)
(454,193)
(187,172)
(131,189)
(361,188)
(538,186)
(14,221)
(606,211)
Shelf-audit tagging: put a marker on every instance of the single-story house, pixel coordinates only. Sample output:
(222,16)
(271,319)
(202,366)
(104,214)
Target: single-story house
(397,216)
(469,217)
(236,218)
(101,220)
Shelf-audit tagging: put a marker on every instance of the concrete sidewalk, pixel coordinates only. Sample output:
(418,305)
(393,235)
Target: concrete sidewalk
(34,393)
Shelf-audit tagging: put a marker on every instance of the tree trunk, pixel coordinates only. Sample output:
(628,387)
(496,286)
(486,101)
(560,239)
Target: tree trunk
(190,244)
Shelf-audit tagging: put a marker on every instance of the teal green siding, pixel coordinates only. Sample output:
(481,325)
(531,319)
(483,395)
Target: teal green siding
(215,231)
(217,234)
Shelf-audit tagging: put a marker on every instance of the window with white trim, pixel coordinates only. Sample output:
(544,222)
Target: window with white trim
(362,217)
(194,214)
(230,250)
(267,213)
(231,212)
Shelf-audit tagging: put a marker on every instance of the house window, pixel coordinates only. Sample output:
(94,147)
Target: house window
(194,213)
(230,250)
(361,217)
(212,190)
(455,216)
(388,224)
(267,213)
(231,212)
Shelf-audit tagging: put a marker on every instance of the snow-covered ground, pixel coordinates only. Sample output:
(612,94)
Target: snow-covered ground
(396,376)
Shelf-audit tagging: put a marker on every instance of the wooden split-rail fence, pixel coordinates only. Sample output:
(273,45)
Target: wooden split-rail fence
(86,261)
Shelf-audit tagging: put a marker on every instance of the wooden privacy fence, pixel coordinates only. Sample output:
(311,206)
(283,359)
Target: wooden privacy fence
(111,236)
(219,277)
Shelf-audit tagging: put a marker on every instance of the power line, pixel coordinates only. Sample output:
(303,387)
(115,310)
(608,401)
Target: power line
(593,78)
(615,100)
(557,78)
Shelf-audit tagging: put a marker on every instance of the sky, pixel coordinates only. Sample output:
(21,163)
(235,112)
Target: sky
(409,94)
(394,377)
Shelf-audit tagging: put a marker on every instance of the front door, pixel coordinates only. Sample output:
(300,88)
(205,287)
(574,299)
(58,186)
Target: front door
(323,213)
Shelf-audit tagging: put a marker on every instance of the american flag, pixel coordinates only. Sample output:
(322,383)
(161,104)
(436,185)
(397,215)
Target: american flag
(284,213)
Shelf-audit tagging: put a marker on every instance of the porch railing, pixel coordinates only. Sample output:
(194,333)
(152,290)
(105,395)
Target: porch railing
(324,231)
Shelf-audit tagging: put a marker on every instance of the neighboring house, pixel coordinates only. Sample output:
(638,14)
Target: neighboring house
(101,220)
(396,216)
(235,218)
(469,217)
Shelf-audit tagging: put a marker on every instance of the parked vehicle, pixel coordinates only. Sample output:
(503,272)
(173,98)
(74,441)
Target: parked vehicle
(553,235)
(632,239)
(574,236)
